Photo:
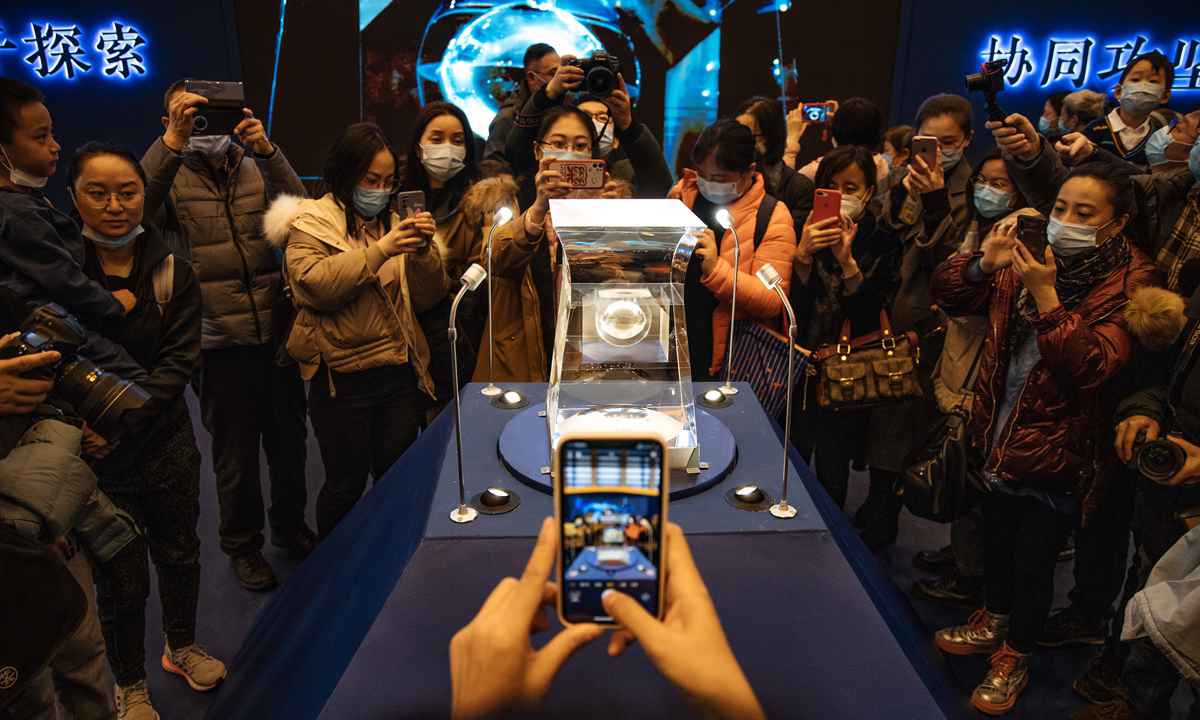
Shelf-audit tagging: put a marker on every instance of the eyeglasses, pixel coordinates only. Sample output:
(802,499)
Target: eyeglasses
(99,199)
(582,147)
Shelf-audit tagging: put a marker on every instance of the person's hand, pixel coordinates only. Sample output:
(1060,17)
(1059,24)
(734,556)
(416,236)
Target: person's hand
(817,236)
(253,134)
(93,445)
(549,184)
(1016,136)
(706,248)
(181,113)
(410,235)
(841,249)
(614,189)
(688,645)
(493,666)
(797,124)
(127,299)
(1189,474)
(566,78)
(1038,275)
(620,107)
(1074,148)
(921,178)
(998,249)
(18,394)
(1128,431)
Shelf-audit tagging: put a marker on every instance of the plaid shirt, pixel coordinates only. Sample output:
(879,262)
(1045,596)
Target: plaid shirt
(1183,243)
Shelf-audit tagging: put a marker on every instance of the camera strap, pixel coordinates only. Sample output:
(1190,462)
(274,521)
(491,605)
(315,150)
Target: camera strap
(164,283)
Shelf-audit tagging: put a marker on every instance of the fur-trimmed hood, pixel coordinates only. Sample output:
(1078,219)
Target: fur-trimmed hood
(484,196)
(277,221)
(1155,317)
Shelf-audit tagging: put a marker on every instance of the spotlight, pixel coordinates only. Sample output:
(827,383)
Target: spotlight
(496,501)
(751,498)
(510,400)
(715,398)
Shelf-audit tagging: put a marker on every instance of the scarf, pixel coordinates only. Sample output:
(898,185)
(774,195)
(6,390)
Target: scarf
(1183,243)
(1077,276)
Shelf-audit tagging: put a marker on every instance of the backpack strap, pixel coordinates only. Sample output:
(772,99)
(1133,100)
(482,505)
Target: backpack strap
(164,283)
(763,219)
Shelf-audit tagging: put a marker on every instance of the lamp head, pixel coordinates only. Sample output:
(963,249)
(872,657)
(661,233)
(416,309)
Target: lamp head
(502,215)
(474,276)
(768,276)
(724,219)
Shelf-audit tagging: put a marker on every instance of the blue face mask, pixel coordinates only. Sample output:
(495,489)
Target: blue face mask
(1139,98)
(1062,126)
(990,202)
(1044,124)
(888,158)
(112,243)
(369,203)
(1194,160)
(1156,146)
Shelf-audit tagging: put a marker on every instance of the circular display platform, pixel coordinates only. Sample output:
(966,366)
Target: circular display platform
(524,448)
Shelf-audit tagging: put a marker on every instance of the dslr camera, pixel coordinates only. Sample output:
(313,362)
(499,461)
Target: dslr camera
(989,81)
(1157,460)
(100,398)
(599,73)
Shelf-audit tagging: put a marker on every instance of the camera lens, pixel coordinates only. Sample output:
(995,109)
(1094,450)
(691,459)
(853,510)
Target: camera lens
(1160,460)
(199,123)
(99,397)
(601,81)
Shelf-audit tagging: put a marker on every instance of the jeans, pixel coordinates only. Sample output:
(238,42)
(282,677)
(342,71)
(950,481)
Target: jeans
(1020,552)
(163,495)
(245,399)
(363,428)
(1150,680)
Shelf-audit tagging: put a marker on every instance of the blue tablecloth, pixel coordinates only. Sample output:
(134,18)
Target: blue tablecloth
(361,629)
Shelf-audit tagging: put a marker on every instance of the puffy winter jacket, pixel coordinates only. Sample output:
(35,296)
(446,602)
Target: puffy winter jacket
(1052,439)
(214,218)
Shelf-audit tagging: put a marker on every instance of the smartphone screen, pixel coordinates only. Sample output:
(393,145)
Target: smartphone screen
(1031,231)
(816,112)
(826,204)
(611,508)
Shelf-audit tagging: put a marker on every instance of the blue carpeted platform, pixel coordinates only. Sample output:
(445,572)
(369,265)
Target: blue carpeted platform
(361,629)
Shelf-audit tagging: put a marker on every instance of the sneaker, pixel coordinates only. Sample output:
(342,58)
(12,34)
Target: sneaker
(952,589)
(1069,626)
(133,702)
(1101,682)
(1006,679)
(297,543)
(1115,709)
(934,561)
(984,633)
(253,572)
(202,671)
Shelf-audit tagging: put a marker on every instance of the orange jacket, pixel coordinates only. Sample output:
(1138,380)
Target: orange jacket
(778,247)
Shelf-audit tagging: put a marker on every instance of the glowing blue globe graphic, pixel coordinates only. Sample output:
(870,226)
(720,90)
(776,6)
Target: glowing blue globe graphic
(494,43)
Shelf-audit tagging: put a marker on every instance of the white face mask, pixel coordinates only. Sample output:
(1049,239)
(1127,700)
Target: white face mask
(604,131)
(20,177)
(1139,98)
(718,193)
(853,206)
(549,153)
(443,161)
(1068,239)
(210,145)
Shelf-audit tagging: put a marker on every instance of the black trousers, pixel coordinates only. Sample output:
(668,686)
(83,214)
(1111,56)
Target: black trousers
(245,400)
(1102,550)
(162,494)
(1020,552)
(362,429)
(836,438)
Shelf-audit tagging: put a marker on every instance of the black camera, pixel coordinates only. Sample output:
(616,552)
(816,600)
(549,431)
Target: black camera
(599,73)
(1157,460)
(223,111)
(100,398)
(989,81)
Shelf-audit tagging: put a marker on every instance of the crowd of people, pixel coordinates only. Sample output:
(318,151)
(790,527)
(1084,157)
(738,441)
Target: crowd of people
(205,262)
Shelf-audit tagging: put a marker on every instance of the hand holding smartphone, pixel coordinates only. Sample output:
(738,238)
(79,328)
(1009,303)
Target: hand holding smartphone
(826,204)
(1031,231)
(926,148)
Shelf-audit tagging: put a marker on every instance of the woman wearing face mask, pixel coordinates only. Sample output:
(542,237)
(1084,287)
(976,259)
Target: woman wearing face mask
(154,474)
(360,276)
(1056,338)
(633,154)
(1048,123)
(725,176)
(1144,89)
(525,256)
(897,145)
(765,119)
(442,164)
(845,268)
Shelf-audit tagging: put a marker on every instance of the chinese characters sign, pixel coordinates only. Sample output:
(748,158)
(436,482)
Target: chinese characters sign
(53,50)
(1082,61)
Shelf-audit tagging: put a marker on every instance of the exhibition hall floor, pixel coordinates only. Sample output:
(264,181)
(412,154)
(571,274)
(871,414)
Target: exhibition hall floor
(383,675)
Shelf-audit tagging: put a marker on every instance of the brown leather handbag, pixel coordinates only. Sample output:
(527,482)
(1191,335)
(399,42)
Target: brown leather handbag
(870,370)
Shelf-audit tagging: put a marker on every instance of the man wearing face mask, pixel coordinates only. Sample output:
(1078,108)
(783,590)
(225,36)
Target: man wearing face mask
(633,153)
(209,194)
(41,250)
(1145,87)
(536,69)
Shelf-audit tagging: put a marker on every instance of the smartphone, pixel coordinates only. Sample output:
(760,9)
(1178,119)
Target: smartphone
(925,147)
(223,111)
(581,174)
(410,203)
(826,204)
(1031,231)
(816,112)
(610,503)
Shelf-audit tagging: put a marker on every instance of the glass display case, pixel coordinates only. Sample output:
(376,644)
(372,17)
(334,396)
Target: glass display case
(621,334)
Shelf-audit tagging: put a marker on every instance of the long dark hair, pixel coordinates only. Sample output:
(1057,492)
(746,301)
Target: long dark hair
(347,163)
(555,114)
(415,177)
(769,116)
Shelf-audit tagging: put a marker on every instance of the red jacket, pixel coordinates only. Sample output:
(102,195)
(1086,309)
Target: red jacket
(1058,434)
